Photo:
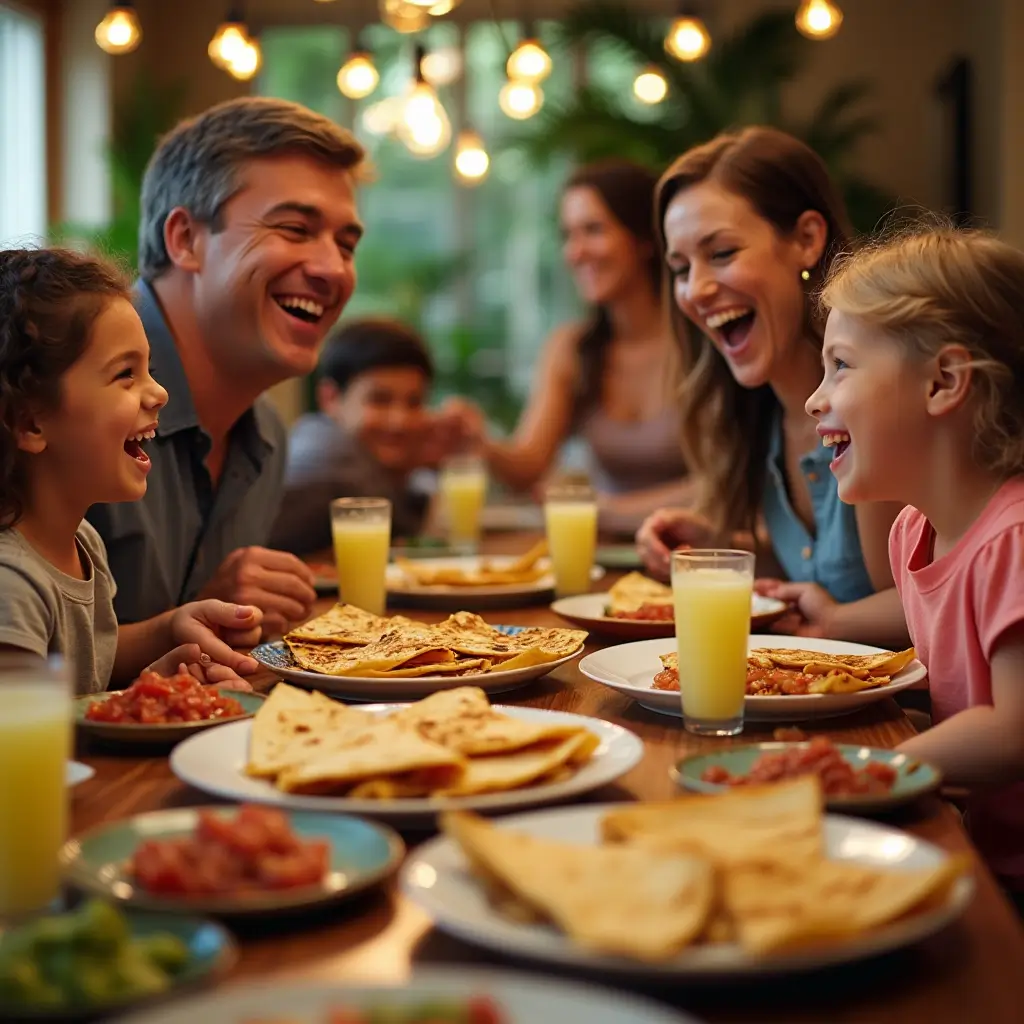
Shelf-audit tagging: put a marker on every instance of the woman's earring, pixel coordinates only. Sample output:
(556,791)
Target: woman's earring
(805,274)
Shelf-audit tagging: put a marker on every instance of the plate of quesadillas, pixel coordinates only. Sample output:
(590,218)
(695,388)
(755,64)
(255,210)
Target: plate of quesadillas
(451,750)
(639,608)
(351,653)
(789,678)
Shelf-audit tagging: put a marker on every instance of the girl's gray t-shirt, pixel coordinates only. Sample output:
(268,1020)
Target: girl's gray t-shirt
(45,611)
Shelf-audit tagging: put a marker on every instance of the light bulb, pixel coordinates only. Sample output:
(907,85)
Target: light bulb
(247,61)
(382,117)
(529,62)
(424,127)
(442,7)
(471,159)
(520,100)
(442,67)
(421,3)
(688,39)
(357,77)
(818,19)
(228,44)
(119,31)
(403,16)
(650,86)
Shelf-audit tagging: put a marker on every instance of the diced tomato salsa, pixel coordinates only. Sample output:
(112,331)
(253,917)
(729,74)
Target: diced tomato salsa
(256,851)
(820,757)
(475,1010)
(761,682)
(161,700)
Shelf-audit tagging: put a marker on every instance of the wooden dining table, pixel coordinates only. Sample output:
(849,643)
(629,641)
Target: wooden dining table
(972,970)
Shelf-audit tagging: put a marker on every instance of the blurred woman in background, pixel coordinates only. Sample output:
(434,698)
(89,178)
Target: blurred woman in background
(605,380)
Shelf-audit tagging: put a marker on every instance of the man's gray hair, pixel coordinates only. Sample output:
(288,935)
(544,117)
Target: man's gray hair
(198,163)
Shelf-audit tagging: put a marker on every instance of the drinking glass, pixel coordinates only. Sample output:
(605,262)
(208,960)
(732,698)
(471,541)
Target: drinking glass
(463,487)
(362,541)
(712,592)
(35,746)
(570,517)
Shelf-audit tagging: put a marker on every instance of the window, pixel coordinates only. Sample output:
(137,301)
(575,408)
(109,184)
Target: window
(478,270)
(22,129)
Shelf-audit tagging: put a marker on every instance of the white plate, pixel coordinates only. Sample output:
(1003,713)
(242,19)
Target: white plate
(522,998)
(403,590)
(588,611)
(278,659)
(76,773)
(436,876)
(213,761)
(631,668)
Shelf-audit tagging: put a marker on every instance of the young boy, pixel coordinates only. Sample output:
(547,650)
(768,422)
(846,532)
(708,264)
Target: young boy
(372,431)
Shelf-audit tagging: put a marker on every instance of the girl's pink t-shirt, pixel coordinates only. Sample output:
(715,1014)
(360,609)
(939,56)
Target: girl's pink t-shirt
(957,608)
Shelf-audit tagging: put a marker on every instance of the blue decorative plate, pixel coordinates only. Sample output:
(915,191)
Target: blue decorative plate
(362,854)
(278,658)
(914,778)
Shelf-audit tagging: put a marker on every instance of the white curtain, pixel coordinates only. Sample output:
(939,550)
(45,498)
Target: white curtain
(22,129)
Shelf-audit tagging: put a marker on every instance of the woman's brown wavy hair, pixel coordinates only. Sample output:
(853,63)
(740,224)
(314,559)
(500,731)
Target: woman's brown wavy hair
(49,301)
(726,427)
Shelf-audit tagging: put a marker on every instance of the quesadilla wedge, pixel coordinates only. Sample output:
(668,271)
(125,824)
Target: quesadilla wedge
(383,748)
(885,663)
(495,773)
(620,900)
(775,824)
(289,716)
(633,591)
(463,720)
(342,624)
(393,650)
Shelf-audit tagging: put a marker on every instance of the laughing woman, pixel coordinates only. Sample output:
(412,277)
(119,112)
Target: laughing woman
(750,223)
(602,380)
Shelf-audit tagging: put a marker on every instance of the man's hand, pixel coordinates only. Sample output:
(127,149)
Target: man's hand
(276,582)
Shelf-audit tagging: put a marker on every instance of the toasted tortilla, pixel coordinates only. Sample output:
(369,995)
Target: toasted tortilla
(465,666)
(827,899)
(286,718)
(633,591)
(393,650)
(619,900)
(383,748)
(500,772)
(342,624)
(463,720)
(775,824)
(886,663)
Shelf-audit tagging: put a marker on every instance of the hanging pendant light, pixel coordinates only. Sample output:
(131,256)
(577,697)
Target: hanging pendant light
(229,41)
(688,38)
(818,19)
(471,160)
(650,86)
(247,61)
(528,62)
(424,127)
(404,16)
(119,31)
(358,76)
(520,100)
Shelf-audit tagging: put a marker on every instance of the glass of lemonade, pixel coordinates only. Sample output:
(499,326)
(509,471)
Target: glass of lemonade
(570,517)
(362,540)
(463,486)
(712,592)
(35,746)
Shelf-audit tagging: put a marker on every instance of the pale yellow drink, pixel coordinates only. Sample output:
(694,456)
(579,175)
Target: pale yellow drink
(463,493)
(35,745)
(361,555)
(572,538)
(712,613)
